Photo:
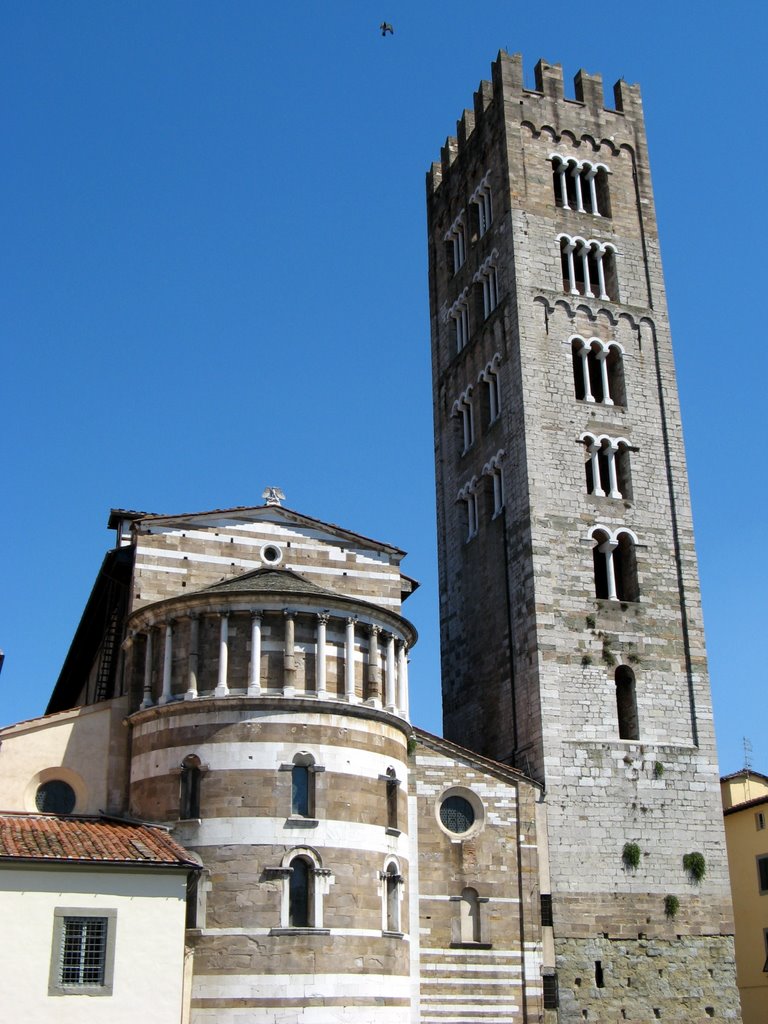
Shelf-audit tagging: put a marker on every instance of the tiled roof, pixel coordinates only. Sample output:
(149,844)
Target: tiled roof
(267,580)
(57,838)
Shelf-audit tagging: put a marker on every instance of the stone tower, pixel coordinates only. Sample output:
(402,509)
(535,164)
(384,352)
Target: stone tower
(572,636)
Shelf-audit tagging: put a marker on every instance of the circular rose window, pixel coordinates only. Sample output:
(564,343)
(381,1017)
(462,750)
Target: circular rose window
(271,554)
(55,797)
(457,814)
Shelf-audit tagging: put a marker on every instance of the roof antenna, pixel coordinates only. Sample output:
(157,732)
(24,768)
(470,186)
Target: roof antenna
(747,754)
(273,496)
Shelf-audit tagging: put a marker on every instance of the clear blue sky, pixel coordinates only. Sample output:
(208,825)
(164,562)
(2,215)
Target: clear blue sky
(214,278)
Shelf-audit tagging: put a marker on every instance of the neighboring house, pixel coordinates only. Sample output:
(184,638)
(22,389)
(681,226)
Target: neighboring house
(91,907)
(745,806)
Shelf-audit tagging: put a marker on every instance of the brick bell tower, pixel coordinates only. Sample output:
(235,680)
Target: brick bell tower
(572,636)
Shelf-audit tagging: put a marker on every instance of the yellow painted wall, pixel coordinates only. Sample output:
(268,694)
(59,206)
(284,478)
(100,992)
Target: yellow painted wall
(746,842)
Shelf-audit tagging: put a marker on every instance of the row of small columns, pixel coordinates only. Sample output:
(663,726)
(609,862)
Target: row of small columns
(395,661)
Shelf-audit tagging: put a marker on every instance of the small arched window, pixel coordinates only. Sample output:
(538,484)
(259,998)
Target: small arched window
(189,787)
(300,893)
(607,466)
(588,267)
(626,703)
(469,916)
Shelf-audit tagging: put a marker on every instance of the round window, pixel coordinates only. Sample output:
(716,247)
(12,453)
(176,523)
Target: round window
(457,814)
(55,797)
(271,554)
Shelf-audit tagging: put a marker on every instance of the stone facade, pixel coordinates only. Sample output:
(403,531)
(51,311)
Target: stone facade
(572,639)
(353,868)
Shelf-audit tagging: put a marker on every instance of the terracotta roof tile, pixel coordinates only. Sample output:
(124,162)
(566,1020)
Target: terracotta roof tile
(48,837)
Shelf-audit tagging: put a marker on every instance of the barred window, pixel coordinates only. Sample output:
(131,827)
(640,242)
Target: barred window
(551,998)
(83,950)
(82,959)
(457,814)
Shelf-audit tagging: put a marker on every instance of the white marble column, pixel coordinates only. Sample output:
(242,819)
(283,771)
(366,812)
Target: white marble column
(222,687)
(373,693)
(165,696)
(349,661)
(289,656)
(391,682)
(147,697)
(320,656)
(602,358)
(584,354)
(608,548)
(254,682)
(402,678)
(194,640)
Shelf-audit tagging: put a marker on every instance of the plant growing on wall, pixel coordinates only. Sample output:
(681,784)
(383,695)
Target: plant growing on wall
(671,906)
(630,855)
(695,865)
(658,770)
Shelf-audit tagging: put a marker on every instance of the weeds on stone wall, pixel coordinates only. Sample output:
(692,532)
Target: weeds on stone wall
(630,856)
(671,907)
(695,865)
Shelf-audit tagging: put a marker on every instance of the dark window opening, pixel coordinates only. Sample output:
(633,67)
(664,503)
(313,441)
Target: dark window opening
(299,894)
(599,979)
(392,788)
(300,790)
(626,703)
(762,868)
(189,795)
(625,568)
(600,568)
(193,879)
(551,999)
(393,898)
(55,797)
(546,909)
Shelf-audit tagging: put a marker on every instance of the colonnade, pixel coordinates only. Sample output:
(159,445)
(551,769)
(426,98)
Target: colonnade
(383,655)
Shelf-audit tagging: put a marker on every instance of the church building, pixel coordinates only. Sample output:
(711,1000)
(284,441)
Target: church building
(232,721)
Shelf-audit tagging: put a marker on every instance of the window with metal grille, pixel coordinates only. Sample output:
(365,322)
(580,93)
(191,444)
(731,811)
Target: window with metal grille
(457,814)
(83,953)
(551,1000)
(83,950)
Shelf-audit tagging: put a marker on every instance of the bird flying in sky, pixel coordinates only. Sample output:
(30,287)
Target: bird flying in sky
(386,27)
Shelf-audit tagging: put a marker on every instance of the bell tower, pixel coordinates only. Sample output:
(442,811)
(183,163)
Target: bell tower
(571,627)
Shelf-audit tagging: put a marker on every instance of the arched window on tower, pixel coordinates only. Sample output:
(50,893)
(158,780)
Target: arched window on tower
(464,411)
(598,371)
(491,392)
(580,185)
(588,267)
(615,564)
(300,893)
(189,787)
(626,703)
(607,466)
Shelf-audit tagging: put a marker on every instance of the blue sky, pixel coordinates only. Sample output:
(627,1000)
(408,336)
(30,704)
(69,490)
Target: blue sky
(213,278)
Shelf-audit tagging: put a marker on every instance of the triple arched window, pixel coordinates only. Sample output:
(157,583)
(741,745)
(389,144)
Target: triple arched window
(588,267)
(492,469)
(467,496)
(481,207)
(459,314)
(615,563)
(607,466)
(580,185)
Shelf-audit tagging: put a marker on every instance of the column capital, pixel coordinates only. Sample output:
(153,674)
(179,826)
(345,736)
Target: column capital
(323,617)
